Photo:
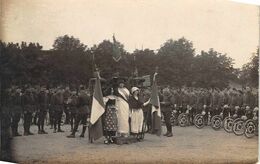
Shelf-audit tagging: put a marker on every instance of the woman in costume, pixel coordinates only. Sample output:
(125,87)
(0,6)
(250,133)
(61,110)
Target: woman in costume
(110,119)
(123,114)
(137,116)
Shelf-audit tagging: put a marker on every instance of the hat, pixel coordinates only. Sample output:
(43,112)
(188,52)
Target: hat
(134,89)
(121,81)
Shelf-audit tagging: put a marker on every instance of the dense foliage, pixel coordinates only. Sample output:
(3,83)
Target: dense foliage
(72,62)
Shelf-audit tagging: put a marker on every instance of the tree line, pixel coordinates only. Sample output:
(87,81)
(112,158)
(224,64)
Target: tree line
(72,62)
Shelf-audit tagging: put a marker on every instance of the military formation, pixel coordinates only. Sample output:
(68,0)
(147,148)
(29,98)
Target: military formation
(190,102)
(42,105)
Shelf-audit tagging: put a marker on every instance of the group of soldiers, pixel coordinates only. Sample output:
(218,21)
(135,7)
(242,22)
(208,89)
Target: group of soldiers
(28,102)
(34,102)
(210,102)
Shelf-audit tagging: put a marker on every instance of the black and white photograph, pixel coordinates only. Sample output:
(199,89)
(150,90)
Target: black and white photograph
(129,81)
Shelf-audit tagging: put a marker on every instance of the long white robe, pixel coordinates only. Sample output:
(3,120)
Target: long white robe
(123,112)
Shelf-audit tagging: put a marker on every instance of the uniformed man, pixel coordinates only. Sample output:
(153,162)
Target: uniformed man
(83,112)
(16,105)
(248,102)
(51,107)
(166,110)
(192,105)
(35,114)
(66,95)
(147,109)
(58,101)
(43,102)
(226,103)
(29,108)
(206,106)
(73,103)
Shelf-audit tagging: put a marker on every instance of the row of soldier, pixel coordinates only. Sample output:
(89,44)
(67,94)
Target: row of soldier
(211,102)
(29,101)
(75,103)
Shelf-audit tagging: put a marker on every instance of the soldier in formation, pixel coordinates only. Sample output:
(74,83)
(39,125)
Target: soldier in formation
(21,102)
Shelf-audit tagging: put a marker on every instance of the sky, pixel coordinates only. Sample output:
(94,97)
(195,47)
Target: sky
(229,27)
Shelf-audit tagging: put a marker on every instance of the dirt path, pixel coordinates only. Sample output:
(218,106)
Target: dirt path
(188,144)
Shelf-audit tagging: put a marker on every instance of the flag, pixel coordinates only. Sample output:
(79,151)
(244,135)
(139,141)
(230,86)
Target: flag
(156,110)
(97,109)
(116,50)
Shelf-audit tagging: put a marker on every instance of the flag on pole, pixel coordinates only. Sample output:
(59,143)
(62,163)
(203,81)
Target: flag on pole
(156,110)
(116,50)
(97,109)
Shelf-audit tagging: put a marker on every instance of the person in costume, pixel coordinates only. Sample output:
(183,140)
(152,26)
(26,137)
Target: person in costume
(137,116)
(122,94)
(110,119)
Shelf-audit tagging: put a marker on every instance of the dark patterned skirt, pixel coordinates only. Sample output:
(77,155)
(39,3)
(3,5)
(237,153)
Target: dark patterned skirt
(110,119)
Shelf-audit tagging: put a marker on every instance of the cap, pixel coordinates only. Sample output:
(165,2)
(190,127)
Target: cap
(134,89)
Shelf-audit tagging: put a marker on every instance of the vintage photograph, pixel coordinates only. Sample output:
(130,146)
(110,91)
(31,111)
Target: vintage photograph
(129,81)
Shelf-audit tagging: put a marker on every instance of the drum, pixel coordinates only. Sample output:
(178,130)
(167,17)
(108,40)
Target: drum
(216,122)
(238,126)
(183,119)
(199,121)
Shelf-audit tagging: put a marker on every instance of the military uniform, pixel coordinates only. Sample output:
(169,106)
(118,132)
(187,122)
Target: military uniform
(146,94)
(51,108)
(58,110)
(166,111)
(66,106)
(83,112)
(16,106)
(73,103)
(249,104)
(192,104)
(43,101)
(226,105)
(29,108)
(213,103)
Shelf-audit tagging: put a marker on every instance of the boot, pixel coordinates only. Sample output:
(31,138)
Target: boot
(72,135)
(83,131)
(30,133)
(169,134)
(16,134)
(166,133)
(59,130)
(43,132)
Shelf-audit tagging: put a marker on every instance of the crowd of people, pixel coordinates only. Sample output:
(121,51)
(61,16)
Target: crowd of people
(126,110)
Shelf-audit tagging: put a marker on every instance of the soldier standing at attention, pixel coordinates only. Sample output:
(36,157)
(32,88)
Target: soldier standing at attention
(82,113)
(16,111)
(166,110)
(66,106)
(29,108)
(51,107)
(58,110)
(73,102)
(43,101)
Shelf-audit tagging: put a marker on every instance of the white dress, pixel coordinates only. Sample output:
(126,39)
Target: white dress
(123,112)
(137,118)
